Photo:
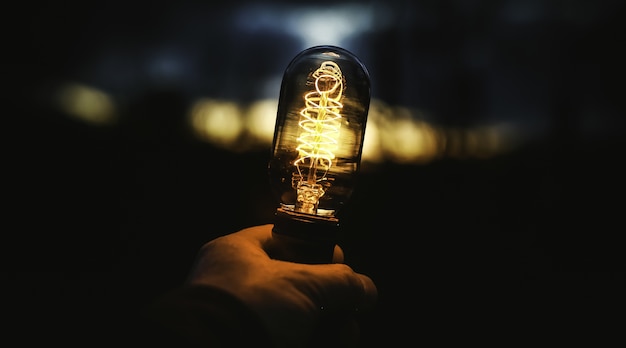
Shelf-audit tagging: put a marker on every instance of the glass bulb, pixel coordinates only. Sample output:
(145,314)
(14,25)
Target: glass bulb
(318,140)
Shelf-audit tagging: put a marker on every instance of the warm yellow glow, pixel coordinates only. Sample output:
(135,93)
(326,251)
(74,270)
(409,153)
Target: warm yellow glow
(87,104)
(394,133)
(481,142)
(371,144)
(400,136)
(320,122)
(217,121)
(260,120)
(410,140)
(494,140)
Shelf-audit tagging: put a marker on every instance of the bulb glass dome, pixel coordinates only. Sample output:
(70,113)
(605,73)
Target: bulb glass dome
(320,128)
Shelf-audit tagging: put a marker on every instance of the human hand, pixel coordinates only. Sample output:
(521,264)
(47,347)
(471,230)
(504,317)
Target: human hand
(292,299)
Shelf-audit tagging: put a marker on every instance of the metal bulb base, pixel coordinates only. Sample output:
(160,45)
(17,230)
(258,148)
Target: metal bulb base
(304,238)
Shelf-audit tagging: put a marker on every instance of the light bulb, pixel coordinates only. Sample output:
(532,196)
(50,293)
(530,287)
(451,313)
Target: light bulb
(318,140)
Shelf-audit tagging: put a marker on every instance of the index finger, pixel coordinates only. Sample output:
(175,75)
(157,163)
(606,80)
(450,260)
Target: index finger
(341,289)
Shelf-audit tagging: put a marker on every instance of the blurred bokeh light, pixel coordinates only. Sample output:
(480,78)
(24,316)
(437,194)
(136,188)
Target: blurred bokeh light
(452,81)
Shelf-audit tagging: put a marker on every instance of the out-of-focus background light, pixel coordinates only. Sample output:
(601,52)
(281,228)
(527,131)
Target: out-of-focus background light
(220,123)
(86,104)
(485,75)
(393,134)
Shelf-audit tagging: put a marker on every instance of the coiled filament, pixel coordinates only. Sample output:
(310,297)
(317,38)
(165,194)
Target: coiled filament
(320,121)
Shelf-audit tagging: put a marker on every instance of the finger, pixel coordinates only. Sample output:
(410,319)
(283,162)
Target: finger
(369,294)
(340,288)
(257,238)
(338,255)
(260,234)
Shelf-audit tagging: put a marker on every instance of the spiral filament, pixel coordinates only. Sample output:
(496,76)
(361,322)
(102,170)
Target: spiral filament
(320,121)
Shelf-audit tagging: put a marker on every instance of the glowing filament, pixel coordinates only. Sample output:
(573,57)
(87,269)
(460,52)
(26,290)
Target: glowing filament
(320,120)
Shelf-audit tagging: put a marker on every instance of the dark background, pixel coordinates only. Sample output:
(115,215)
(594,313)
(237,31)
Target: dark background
(497,250)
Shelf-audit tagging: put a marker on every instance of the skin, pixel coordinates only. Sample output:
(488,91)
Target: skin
(298,303)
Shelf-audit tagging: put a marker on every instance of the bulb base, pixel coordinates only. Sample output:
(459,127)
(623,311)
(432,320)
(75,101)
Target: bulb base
(305,238)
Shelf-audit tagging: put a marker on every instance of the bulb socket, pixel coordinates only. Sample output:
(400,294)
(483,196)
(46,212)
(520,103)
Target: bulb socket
(304,238)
